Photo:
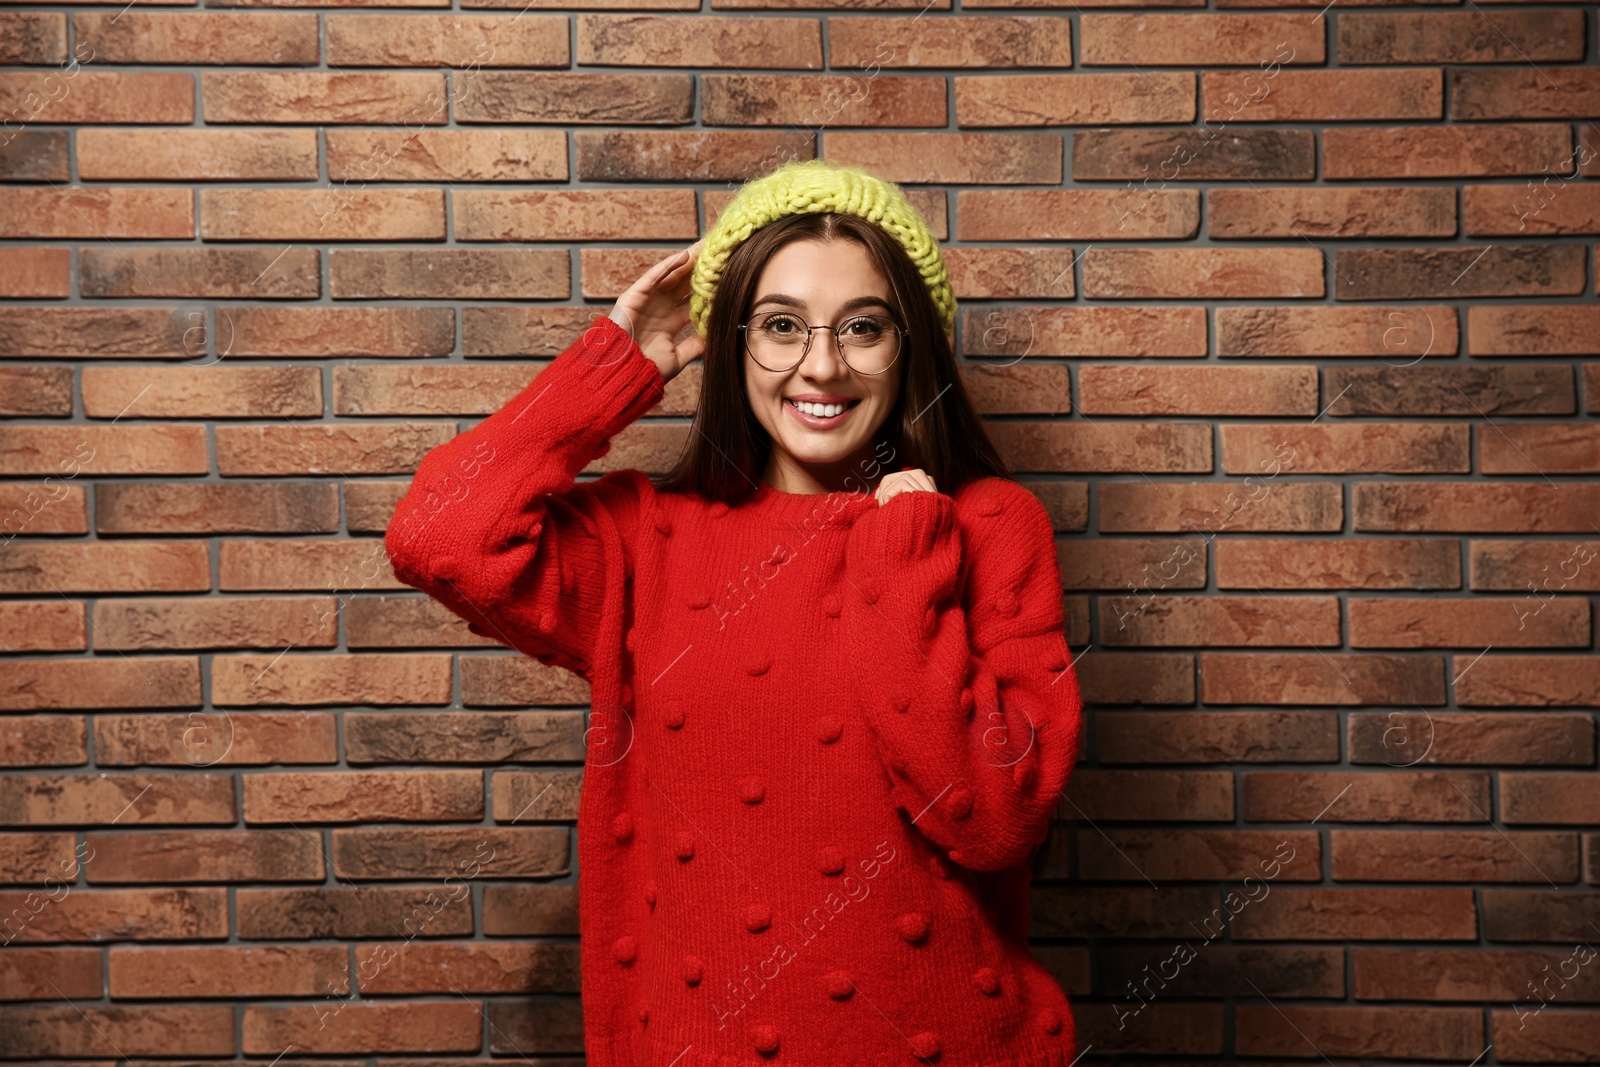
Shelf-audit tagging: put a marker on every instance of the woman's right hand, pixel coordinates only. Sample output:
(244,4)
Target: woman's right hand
(655,310)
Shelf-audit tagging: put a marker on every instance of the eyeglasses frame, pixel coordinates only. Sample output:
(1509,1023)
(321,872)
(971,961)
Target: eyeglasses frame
(805,349)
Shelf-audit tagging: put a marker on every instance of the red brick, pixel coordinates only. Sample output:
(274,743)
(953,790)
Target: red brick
(1221,621)
(1441,37)
(215,622)
(991,158)
(1539,915)
(1527,681)
(265,39)
(97,96)
(1390,448)
(1306,913)
(37,38)
(317,679)
(575,215)
(811,101)
(1555,1036)
(1430,273)
(1176,796)
(1432,622)
(1531,93)
(431,967)
(1565,207)
(34,155)
(1332,213)
(1542,568)
(1536,450)
(1135,390)
(1483,391)
(221,739)
(124,799)
(1254,504)
(1453,856)
(320,332)
(1319,678)
(36,272)
(1210,273)
(1124,854)
(461,273)
(317,215)
(1402,739)
(460,41)
(1272,563)
(706,42)
(1142,447)
(1406,1032)
(365,448)
(1079,99)
(43,626)
(1095,332)
(57,568)
(1119,563)
(112,1032)
(346,911)
(363,796)
(411,1026)
(197,154)
(51,973)
(1075,214)
(1499,507)
(1188,40)
(1531,797)
(1267,736)
(1342,796)
(1136,677)
(1459,150)
(1460,974)
(577,98)
(228,971)
(1323,95)
(97,214)
(33,390)
(168,271)
(1009,273)
(211,507)
(1520,330)
(1402,334)
(36,685)
(318,97)
(147,448)
(446,155)
(990,41)
(1185,155)
(693,155)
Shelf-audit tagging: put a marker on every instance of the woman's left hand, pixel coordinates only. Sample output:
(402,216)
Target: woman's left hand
(911,480)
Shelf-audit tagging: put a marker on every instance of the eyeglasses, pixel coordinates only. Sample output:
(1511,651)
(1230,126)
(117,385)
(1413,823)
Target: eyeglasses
(779,340)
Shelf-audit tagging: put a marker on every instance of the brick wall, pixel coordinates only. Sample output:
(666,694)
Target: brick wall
(1288,315)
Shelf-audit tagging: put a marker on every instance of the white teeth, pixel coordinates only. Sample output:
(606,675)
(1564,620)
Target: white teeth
(825,411)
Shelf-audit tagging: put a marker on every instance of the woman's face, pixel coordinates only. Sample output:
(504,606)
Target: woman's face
(822,283)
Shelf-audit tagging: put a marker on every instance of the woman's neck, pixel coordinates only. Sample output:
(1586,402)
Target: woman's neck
(855,474)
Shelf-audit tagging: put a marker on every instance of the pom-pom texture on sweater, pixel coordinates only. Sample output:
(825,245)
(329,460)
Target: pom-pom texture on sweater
(824,735)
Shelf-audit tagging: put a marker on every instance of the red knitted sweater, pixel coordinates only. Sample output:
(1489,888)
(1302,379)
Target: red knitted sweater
(824,735)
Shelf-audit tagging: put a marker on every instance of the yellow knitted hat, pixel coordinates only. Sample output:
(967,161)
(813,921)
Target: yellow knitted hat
(813,185)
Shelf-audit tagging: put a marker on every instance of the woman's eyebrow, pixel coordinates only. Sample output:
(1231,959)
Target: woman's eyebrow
(848,305)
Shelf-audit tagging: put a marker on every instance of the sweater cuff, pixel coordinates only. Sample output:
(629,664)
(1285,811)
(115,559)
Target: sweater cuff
(912,543)
(614,370)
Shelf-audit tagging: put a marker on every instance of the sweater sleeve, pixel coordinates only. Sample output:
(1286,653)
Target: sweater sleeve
(494,524)
(964,668)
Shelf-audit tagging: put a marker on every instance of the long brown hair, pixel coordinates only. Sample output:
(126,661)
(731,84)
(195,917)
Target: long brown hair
(931,426)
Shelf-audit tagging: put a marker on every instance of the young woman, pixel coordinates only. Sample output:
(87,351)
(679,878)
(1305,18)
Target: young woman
(832,709)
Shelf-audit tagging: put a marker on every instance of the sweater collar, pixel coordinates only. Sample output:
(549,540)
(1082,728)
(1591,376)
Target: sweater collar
(837,508)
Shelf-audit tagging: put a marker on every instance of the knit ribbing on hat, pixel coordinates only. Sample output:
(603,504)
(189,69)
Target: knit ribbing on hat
(813,185)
